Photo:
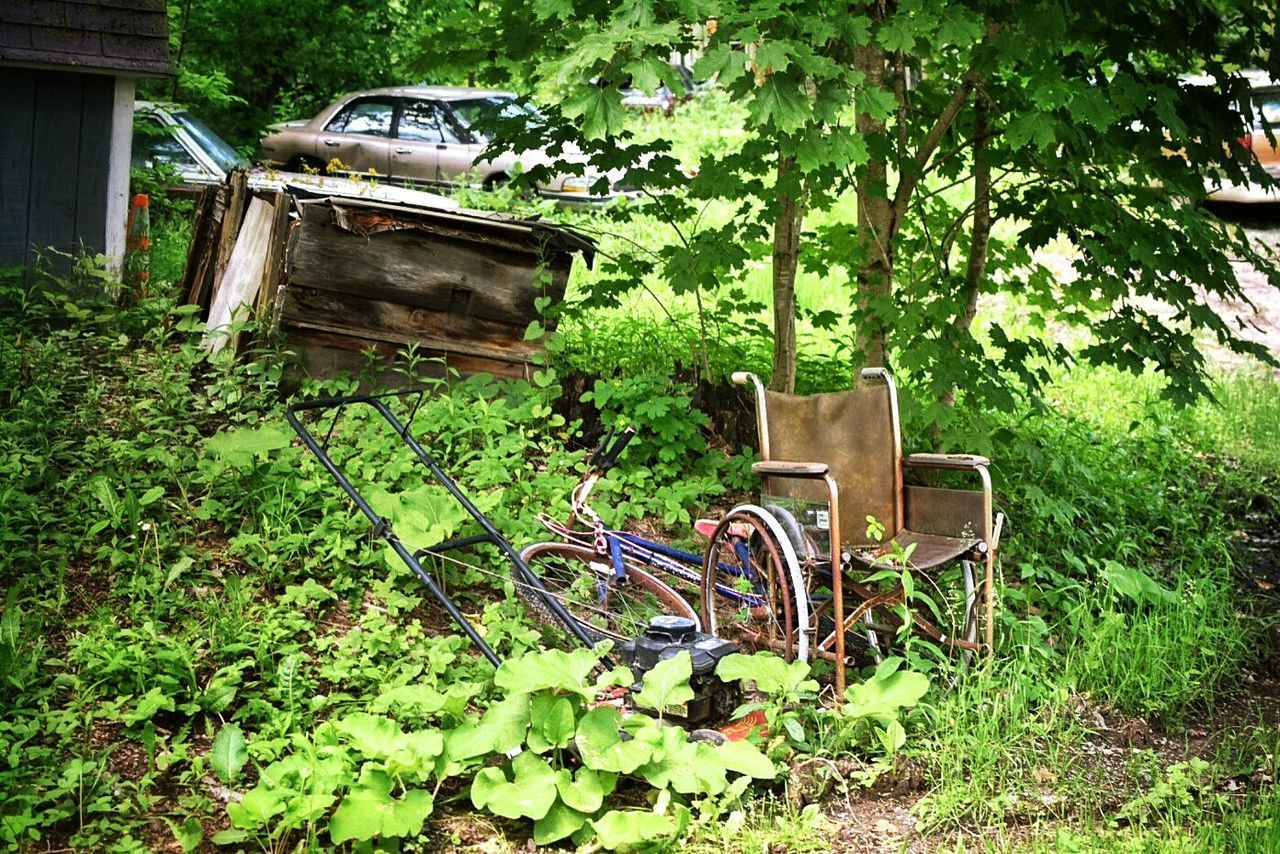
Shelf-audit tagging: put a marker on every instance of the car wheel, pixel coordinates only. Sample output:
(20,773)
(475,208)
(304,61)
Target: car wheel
(496,180)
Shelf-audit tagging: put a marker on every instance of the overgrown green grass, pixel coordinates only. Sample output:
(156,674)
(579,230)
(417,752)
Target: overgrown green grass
(175,567)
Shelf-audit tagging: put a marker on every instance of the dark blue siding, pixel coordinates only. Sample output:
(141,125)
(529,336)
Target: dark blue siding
(55,139)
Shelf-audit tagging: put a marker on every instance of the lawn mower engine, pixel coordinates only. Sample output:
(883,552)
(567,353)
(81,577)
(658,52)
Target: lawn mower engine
(667,637)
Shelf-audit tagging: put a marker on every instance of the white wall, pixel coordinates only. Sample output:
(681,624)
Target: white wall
(118,172)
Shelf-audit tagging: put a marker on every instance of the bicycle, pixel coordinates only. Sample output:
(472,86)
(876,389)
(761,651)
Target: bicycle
(606,579)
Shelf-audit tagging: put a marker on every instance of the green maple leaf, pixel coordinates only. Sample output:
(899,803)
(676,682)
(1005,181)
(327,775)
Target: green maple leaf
(599,108)
(960,28)
(773,55)
(1034,127)
(781,102)
(897,34)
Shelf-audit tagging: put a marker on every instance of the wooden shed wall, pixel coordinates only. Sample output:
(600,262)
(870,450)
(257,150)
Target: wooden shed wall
(55,140)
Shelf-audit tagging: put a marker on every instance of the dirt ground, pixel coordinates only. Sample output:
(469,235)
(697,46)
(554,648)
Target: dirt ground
(1261,319)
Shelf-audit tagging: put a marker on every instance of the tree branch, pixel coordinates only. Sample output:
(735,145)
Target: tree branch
(907,183)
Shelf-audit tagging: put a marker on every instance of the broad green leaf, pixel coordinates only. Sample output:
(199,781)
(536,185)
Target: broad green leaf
(153,701)
(745,758)
(1136,584)
(501,729)
(375,736)
(369,811)
(256,808)
(242,446)
(561,821)
(892,737)
(628,828)
(189,834)
(666,686)
(881,696)
(601,746)
(770,673)
(553,723)
(553,670)
(683,766)
(416,698)
(586,790)
(229,753)
(529,795)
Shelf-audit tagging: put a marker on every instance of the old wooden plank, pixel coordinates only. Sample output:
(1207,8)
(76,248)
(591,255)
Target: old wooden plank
(199,249)
(325,355)
(204,243)
(348,314)
(419,270)
(242,279)
(273,271)
(232,217)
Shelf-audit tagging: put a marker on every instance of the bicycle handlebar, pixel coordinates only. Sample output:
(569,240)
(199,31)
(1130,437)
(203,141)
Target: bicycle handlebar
(606,454)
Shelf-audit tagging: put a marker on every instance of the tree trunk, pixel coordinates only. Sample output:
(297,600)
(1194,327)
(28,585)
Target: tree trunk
(875,222)
(980,242)
(786,256)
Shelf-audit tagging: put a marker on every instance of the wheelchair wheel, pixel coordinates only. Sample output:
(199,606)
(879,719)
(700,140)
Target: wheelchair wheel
(584,583)
(747,587)
(945,612)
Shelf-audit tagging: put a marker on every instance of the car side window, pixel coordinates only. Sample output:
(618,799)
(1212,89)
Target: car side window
(426,121)
(372,118)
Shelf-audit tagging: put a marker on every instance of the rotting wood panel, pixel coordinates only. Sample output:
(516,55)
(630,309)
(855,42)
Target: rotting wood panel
(324,354)
(395,323)
(422,269)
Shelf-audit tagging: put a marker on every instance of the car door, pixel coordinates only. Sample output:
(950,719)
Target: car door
(419,137)
(428,145)
(359,136)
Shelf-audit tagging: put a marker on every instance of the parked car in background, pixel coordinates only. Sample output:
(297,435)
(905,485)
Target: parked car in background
(168,135)
(1265,96)
(422,135)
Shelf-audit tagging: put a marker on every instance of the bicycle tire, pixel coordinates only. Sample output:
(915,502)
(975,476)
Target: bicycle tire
(626,609)
(765,617)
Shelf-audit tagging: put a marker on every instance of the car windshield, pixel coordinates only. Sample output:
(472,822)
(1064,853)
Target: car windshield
(469,111)
(215,146)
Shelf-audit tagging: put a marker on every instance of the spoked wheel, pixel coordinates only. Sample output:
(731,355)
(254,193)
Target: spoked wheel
(945,612)
(747,590)
(584,583)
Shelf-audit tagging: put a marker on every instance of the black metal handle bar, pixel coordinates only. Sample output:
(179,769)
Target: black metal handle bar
(383,528)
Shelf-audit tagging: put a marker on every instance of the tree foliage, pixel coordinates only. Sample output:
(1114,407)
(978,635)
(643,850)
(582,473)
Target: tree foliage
(973,134)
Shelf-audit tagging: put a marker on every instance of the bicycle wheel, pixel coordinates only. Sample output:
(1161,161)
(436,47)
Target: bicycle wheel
(584,583)
(746,589)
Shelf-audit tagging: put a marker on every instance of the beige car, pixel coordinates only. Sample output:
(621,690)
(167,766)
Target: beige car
(1265,96)
(420,135)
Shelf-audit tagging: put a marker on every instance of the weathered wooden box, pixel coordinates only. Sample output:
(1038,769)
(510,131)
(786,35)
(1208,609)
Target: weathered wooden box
(346,278)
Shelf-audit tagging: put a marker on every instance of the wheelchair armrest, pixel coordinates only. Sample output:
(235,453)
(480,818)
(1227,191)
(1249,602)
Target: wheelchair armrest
(775,468)
(963,462)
